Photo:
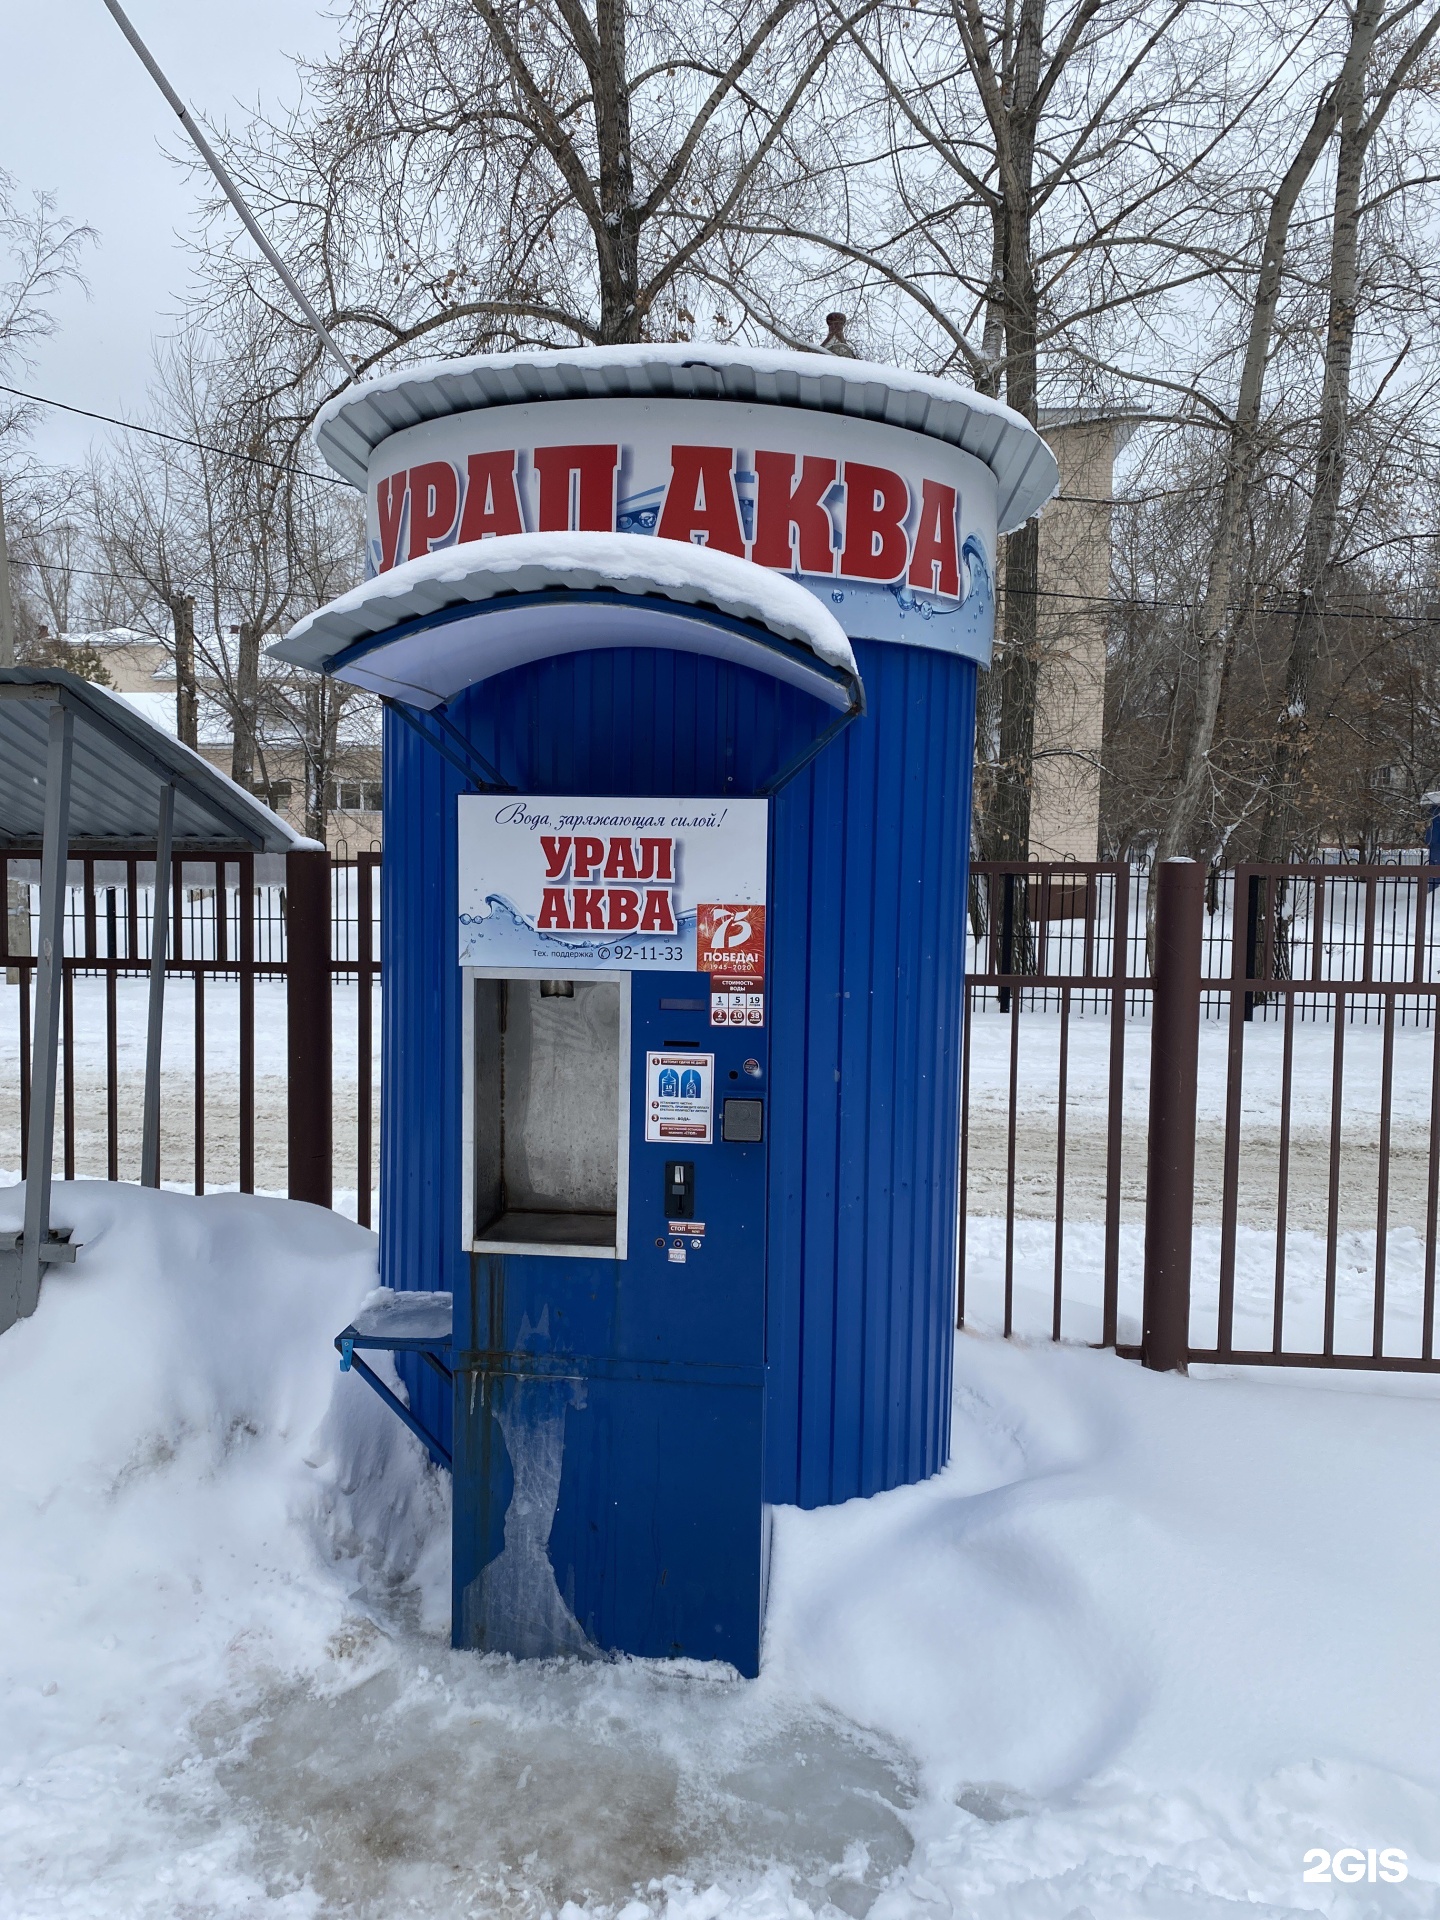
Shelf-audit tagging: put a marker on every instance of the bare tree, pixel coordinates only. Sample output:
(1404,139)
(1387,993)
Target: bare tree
(499,174)
(1374,739)
(1034,197)
(219,516)
(1184,829)
(1361,115)
(42,254)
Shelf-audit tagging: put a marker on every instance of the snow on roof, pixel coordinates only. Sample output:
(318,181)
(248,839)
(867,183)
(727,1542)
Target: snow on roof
(349,427)
(122,760)
(628,563)
(157,708)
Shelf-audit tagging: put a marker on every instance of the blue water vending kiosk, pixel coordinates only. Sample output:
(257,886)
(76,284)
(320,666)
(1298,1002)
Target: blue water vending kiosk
(678,648)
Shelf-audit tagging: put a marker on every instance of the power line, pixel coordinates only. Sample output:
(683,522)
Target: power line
(333,480)
(229,189)
(88,573)
(307,473)
(176,439)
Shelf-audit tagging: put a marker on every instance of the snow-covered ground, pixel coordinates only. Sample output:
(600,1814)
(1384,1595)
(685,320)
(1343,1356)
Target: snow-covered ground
(1087,1111)
(1141,1646)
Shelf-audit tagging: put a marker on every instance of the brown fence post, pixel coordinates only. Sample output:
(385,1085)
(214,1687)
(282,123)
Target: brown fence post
(307,1004)
(1174,1066)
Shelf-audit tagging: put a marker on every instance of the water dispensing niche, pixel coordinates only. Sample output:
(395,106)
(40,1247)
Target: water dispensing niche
(561,901)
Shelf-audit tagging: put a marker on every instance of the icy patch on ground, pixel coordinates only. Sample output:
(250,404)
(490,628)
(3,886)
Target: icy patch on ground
(457,1785)
(1142,1645)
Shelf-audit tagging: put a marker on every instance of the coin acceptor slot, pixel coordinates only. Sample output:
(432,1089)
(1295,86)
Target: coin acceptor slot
(679,1189)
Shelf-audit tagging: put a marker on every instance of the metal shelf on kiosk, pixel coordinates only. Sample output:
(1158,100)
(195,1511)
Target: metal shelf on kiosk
(420,1323)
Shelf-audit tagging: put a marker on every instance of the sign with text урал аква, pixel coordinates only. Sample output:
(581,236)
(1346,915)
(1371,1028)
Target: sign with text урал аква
(575,884)
(893,530)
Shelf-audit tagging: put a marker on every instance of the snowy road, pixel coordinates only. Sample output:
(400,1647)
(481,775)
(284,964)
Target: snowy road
(1087,1111)
(1037,1106)
(222,1086)
(1144,1643)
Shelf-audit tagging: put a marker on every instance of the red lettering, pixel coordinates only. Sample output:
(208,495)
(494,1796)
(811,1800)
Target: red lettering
(587,906)
(594,491)
(621,862)
(390,498)
(657,860)
(557,852)
(935,563)
(876,503)
(700,499)
(492,497)
(589,852)
(624,909)
(659,914)
(790,514)
(552,911)
(434,502)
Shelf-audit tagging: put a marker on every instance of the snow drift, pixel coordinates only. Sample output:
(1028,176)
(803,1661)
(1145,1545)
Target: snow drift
(1142,1645)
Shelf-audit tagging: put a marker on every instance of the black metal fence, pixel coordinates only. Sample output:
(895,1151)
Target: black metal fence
(1316,1122)
(224,1094)
(1316,1077)
(1316,924)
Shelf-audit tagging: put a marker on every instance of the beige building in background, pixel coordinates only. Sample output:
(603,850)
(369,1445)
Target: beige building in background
(142,671)
(1073,621)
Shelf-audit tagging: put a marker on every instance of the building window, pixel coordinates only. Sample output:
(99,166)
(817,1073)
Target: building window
(355,796)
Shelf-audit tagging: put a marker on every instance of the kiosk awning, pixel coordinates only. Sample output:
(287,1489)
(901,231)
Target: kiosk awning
(431,627)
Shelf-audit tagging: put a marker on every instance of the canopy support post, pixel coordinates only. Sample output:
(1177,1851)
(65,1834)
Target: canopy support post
(48,977)
(155,1020)
(309,983)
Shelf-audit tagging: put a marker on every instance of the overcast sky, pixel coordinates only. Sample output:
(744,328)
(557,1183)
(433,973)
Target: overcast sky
(79,116)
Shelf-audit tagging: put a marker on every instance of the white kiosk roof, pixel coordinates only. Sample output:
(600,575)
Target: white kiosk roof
(412,633)
(352,425)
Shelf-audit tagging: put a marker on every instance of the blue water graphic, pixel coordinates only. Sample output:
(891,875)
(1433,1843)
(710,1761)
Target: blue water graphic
(504,934)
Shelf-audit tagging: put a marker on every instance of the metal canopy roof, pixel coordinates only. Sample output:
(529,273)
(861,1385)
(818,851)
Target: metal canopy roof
(351,426)
(121,765)
(426,662)
(433,626)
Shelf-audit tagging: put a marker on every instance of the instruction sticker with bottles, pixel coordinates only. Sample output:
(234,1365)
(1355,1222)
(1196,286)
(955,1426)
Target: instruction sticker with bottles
(680,1097)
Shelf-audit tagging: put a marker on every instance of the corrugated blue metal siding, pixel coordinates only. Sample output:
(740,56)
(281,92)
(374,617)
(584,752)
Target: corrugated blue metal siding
(420,1044)
(868,905)
(867,954)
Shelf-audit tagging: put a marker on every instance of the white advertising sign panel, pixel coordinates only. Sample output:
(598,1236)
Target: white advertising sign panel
(570,883)
(894,531)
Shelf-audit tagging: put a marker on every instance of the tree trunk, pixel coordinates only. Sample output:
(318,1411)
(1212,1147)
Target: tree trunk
(1016,672)
(1291,744)
(618,246)
(1183,831)
(187,696)
(323,703)
(246,705)
(1006,832)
